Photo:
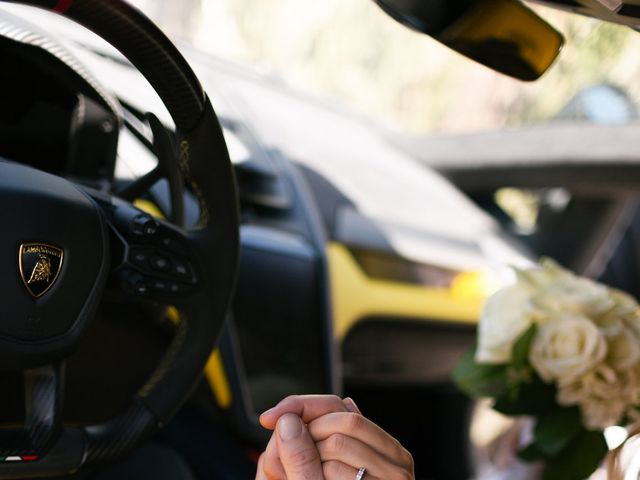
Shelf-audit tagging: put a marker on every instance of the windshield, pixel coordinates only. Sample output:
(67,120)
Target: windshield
(353,52)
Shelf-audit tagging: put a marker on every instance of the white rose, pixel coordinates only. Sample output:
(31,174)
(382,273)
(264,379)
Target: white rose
(604,395)
(557,290)
(583,296)
(623,349)
(625,312)
(598,382)
(506,316)
(624,304)
(547,273)
(565,347)
(598,414)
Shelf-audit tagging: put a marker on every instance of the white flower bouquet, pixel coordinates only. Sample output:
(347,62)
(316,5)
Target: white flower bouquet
(564,350)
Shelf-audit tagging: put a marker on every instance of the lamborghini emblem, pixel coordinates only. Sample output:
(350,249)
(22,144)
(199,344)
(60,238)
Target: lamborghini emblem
(40,265)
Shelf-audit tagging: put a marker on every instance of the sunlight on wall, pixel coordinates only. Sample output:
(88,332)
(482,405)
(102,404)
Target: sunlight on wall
(352,51)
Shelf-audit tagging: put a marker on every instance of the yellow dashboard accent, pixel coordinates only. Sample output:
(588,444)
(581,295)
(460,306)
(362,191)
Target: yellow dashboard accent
(173,316)
(214,370)
(356,296)
(149,207)
(471,286)
(217,378)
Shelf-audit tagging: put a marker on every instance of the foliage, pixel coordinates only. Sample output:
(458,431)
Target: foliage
(569,450)
(352,51)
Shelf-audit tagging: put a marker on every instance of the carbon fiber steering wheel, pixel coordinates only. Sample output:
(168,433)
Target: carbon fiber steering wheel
(60,243)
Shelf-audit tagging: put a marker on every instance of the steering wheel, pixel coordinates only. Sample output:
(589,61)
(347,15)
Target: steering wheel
(60,243)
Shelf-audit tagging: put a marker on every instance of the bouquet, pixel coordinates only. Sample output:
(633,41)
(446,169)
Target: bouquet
(565,351)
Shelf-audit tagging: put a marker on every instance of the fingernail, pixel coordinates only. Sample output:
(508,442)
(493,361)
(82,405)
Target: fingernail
(266,412)
(289,426)
(260,475)
(351,405)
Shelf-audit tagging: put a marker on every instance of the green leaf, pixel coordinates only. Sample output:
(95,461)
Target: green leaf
(531,453)
(579,459)
(527,398)
(479,380)
(520,350)
(555,430)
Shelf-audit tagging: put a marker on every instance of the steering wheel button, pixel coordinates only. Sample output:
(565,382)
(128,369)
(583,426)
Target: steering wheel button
(29,458)
(139,258)
(144,225)
(172,245)
(160,286)
(181,268)
(136,284)
(13,459)
(150,229)
(160,263)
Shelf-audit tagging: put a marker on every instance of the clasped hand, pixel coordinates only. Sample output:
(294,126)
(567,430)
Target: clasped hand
(323,437)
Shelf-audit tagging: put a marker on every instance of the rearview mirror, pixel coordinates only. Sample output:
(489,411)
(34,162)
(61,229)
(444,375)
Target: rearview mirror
(503,35)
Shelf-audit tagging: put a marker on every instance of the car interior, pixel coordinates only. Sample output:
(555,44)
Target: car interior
(171,271)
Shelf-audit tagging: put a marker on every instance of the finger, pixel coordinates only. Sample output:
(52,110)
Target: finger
(307,407)
(298,452)
(271,464)
(334,470)
(260,470)
(351,405)
(352,452)
(361,428)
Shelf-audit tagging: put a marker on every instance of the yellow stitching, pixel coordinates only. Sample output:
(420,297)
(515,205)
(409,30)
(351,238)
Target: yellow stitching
(185,168)
(168,360)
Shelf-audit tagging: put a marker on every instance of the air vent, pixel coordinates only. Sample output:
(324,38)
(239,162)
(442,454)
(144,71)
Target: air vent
(259,182)
(259,188)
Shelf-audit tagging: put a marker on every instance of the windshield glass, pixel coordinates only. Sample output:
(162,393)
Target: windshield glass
(353,52)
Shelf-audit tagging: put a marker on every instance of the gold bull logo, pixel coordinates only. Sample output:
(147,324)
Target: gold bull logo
(40,265)
(42,270)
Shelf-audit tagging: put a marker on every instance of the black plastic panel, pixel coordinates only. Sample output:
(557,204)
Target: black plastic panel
(277,314)
(629,10)
(396,351)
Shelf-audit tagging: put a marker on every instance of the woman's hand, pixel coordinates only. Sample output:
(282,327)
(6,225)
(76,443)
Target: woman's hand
(347,441)
(344,442)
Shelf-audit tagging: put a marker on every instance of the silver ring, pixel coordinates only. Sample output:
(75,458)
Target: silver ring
(360,474)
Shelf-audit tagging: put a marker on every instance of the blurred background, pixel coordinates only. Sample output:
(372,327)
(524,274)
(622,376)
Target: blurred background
(349,50)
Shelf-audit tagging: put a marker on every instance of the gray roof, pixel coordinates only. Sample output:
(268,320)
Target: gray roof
(552,143)
(580,156)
